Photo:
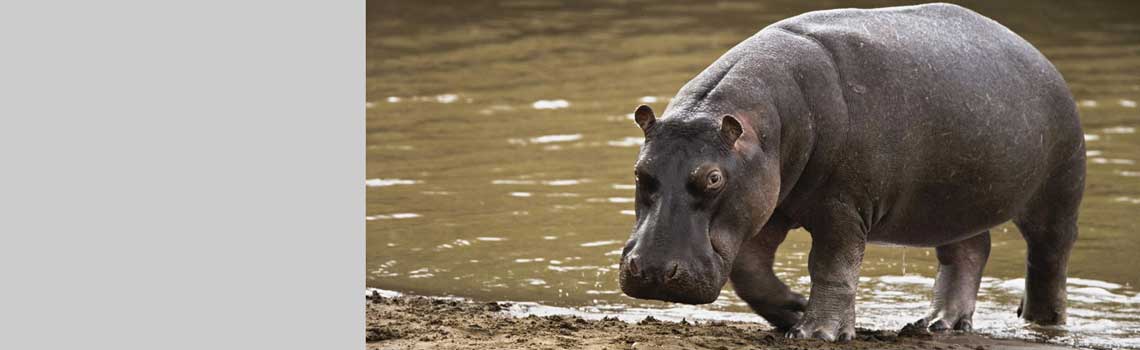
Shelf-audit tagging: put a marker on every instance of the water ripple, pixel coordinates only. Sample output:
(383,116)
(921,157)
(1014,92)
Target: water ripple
(389,182)
(550,104)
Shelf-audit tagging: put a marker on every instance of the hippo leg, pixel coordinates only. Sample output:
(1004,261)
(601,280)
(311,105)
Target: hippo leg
(959,274)
(756,283)
(837,245)
(1049,226)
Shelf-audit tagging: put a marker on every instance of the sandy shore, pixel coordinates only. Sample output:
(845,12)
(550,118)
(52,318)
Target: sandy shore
(411,322)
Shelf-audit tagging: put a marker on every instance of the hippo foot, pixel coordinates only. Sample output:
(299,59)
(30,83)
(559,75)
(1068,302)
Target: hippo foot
(945,320)
(828,330)
(1046,316)
(783,315)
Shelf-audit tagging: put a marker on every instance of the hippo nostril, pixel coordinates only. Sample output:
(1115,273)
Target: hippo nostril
(632,266)
(673,272)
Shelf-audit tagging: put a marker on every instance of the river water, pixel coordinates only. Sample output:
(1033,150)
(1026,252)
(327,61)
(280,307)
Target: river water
(500,153)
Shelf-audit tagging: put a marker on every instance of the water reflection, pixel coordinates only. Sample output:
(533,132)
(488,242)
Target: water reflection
(500,152)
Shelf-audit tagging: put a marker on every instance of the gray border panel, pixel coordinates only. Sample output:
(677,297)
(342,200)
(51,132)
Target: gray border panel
(183,175)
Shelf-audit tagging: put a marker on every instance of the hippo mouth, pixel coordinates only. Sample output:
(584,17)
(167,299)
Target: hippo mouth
(692,282)
(720,251)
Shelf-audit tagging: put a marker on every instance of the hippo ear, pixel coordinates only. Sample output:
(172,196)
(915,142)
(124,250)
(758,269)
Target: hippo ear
(644,117)
(730,129)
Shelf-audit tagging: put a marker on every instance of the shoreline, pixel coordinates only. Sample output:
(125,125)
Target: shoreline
(397,321)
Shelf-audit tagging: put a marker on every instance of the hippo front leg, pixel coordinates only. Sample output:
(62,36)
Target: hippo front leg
(755,282)
(836,254)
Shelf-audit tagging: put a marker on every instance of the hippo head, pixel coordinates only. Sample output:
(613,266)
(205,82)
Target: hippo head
(703,187)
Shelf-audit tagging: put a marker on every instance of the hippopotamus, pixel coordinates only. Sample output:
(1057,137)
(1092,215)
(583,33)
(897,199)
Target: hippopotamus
(921,126)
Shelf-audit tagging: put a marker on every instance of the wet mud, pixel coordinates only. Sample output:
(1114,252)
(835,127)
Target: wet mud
(415,322)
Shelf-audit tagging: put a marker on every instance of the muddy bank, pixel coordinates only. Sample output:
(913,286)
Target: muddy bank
(411,322)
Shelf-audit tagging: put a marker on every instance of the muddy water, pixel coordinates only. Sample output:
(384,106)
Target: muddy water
(500,152)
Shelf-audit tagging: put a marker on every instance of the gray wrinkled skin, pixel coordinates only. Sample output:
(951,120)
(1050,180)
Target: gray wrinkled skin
(920,126)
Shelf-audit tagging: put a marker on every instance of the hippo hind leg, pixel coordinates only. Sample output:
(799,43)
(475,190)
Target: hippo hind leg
(756,283)
(960,266)
(1049,225)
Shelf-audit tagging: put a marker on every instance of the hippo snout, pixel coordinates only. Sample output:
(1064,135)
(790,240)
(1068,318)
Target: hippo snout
(688,281)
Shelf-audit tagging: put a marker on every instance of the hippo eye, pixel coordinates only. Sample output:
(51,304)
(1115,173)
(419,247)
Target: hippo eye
(715,179)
